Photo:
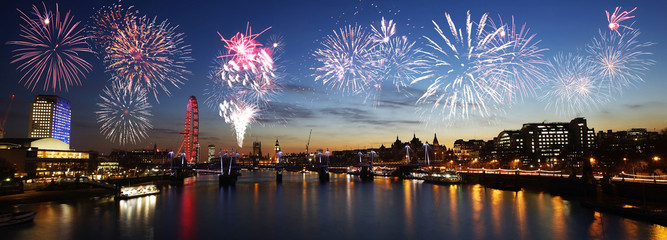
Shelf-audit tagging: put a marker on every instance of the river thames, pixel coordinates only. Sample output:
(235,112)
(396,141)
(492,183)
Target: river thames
(345,208)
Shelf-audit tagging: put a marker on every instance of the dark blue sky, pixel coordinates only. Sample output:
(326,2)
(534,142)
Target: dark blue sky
(339,121)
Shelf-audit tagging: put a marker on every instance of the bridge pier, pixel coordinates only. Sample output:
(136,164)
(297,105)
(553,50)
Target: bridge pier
(178,175)
(227,179)
(323,173)
(279,175)
(366,173)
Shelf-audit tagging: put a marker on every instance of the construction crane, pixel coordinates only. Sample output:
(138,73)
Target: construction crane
(4,119)
(308,143)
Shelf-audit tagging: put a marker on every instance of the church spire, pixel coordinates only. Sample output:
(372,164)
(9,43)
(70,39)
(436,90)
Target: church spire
(435,139)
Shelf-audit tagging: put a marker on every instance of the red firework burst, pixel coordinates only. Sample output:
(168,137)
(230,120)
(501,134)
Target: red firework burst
(50,50)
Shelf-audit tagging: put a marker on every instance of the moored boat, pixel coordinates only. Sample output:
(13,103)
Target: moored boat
(7,219)
(137,191)
(447,177)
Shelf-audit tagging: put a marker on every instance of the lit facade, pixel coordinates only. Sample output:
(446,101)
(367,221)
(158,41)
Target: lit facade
(211,152)
(467,150)
(546,143)
(50,117)
(46,157)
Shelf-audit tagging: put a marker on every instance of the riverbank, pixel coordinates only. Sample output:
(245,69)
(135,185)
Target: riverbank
(625,199)
(49,196)
(656,215)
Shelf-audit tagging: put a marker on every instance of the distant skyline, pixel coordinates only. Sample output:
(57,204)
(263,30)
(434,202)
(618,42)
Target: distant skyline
(340,121)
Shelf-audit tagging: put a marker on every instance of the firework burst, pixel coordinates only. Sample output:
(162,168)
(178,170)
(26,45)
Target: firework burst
(619,59)
(246,53)
(464,71)
(225,83)
(148,54)
(386,30)
(617,17)
(522,64)
(51,50)
(244,79)
(247,70)
(348,60)
(398,58)
(573,86)
(277,44)
(239,114)
(124,114)
(106,23)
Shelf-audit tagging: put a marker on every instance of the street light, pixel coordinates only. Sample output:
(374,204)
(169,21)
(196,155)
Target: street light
(656,158)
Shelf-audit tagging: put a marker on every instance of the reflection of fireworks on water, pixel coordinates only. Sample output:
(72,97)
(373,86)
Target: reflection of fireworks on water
(573,87)
(148,54)
(463,70)
(615,19)
(620,60)
(522,61)
(347,60)
(124,114)
(106,23)
(239,114)
(50,50)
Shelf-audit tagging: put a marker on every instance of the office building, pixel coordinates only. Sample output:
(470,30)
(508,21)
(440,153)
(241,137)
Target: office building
(50,117)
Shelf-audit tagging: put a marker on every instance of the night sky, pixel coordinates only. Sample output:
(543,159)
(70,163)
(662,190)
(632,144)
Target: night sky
(340,121)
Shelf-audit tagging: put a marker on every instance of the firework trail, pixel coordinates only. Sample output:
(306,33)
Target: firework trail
(573,86)
(464,71)
(50,50)
(617,17)
(522,64)
(124,113)
(620,60)
(348,61)
(244,79)
(398,58)
(148,54)
(239,114)
(106,23)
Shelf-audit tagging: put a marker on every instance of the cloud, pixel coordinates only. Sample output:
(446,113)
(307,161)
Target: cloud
(282,113)
(638,106)
(395,104)
(165,131)
(211,139)
(360,116)
(297,88)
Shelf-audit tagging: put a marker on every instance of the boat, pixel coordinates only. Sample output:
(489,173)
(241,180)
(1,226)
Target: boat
(137,191)
(7,219)
(447,177)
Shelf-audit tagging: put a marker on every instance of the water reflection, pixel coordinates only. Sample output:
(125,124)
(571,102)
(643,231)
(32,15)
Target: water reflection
(137,212)
(558,220)
(346,208)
